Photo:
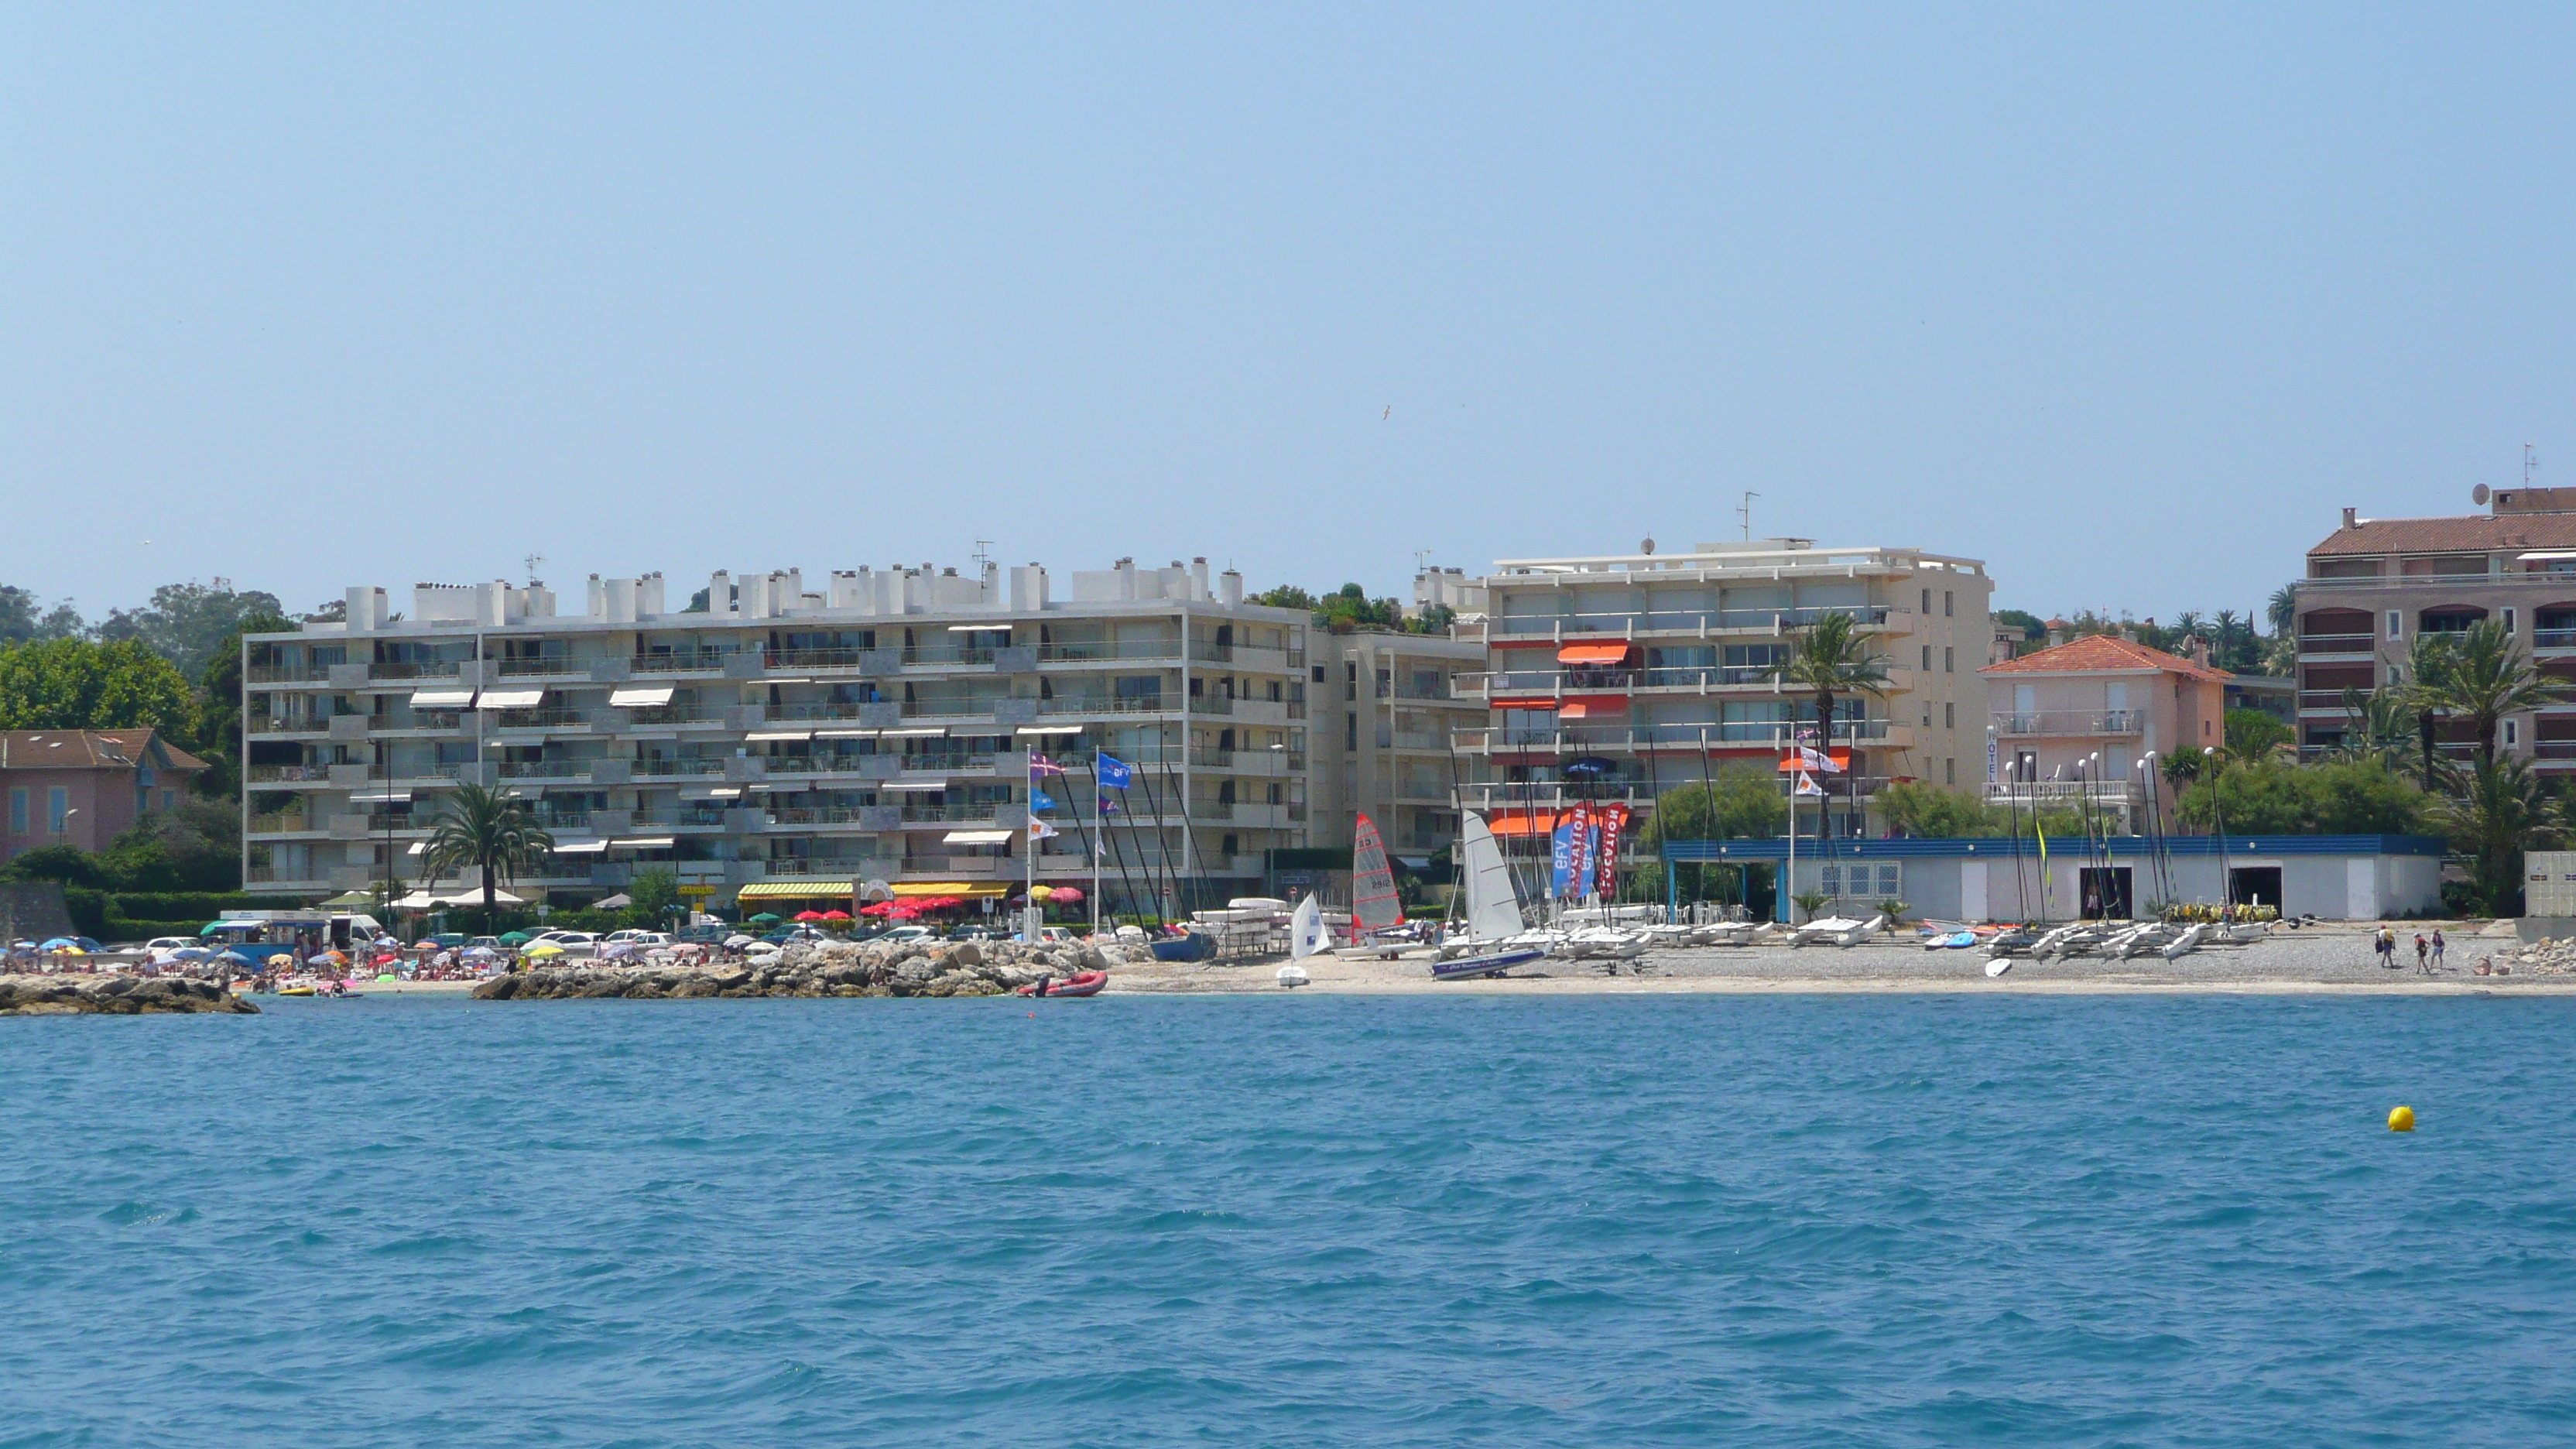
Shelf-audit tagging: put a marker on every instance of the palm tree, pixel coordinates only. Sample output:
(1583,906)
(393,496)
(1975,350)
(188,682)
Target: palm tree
(2377,726)
(1831,660)
(2420,687)
(494,835)
(2497,809)
(2283,609)
(2488,677)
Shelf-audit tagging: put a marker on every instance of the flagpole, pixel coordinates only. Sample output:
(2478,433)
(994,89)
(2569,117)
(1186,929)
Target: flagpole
(1789,886)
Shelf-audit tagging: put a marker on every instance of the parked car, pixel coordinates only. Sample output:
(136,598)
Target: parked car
(574,943)
(910,933)
(637,939)
(169,943)
(447,940)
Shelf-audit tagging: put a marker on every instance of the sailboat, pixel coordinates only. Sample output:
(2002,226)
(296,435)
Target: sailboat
(1493,909)
(1306,932)
(1375,907)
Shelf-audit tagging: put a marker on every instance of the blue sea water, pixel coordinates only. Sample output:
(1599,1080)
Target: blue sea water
(1901,1220)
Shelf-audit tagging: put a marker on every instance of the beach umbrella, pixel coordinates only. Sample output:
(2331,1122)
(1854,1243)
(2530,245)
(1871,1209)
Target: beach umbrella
(211,927)
(1042,893)
(617,902)
(1064,895)
(190,953)
(764,919)
(879,908)
(836,915)
(547,948)
(281,959)
(737,941)
(809,915)
(60,943)
(480,953)
(516,938)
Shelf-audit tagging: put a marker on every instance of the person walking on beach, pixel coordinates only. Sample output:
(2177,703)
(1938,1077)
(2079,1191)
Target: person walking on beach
(2386,945)
(2421,947)
(2437,948)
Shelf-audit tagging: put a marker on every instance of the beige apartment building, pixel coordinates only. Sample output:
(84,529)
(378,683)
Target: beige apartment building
(1387,713)
(2375,585)
(783,743)
(1611,678)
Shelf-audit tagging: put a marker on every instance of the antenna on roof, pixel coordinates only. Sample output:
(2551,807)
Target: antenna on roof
(2530,460)
(532,560)
(1744,513)
(981,545)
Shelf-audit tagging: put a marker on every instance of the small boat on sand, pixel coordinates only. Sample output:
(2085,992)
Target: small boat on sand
(1081,983)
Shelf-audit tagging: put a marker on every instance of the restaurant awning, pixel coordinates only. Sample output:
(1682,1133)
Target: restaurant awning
(916,888)
(794,890)
(441,698)
(1613,653)
(1522,822)
(641,696)
(510,699)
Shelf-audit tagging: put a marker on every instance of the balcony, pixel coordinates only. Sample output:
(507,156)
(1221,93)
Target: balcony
(2554,749)
(975,814)
(272,725)
(283,824)
(1681,622)
(543,769)
(701,660)
(651,768)
(541,719)
(546,666)
(2553,638)
(1580,739)
(2099,792)
(1102,652)
(2058,722)
(1103,704)
(816,658)
(665,714)
(2336,643)
(1211,704)
(938,654)
(287,674)
(392,670)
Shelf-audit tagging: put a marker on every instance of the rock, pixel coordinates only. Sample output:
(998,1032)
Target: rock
(967,953)
(114,996)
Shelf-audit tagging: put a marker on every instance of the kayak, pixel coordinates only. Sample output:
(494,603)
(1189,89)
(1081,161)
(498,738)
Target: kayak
(1082,983)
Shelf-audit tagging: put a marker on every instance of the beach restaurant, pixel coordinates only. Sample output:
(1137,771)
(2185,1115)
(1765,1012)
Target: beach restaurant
(2332,877)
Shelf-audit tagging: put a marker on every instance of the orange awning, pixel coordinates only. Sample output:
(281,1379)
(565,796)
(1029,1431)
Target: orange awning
(1523,822)
(1841,759)
(1593,653)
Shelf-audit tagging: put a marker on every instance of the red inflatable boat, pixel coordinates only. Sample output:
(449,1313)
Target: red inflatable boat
(1085,983)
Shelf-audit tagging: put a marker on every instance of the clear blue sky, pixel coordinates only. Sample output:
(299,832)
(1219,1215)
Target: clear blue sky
(2127,303)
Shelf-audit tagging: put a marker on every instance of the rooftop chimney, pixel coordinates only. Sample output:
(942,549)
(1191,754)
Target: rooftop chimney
(2349,521)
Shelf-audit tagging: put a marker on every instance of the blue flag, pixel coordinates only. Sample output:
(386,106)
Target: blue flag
(1109,806)
(1561,860)
(1115,774)
(1040,800)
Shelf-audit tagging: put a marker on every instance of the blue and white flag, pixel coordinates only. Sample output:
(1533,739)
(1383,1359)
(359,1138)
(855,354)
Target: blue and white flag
(1040,800)
(1561,860)
(1109,806)
(1115,774)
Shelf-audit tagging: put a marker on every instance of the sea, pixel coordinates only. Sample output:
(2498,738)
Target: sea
(1279,1220)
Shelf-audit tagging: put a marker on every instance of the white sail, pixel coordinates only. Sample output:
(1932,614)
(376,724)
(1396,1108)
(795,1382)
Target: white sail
(1493,907)
(1305,930)
(1374,903)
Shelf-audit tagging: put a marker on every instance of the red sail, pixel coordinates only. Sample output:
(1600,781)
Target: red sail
(1373,899)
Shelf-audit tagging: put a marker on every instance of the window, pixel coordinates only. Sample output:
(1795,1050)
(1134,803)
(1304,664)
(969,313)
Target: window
(1949,660)
(1949,772)
(2508,621)
(1927,658)
(2397,623)
(165,799)
(1949,716)
(1319,673)
(1233,845)
(1350,731)
(1949,602)
(142,801)
(1927,601)
(2512,736)
(58,809)
(18,811)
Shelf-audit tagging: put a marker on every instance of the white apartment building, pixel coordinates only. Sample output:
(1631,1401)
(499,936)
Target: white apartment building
(783,743)
(1388,711)
(1613,678)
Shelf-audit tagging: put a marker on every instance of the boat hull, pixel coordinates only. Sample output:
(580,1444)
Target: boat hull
(1488,963)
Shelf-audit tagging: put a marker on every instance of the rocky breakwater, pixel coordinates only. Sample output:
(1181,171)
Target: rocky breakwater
(838,968)
(113,996)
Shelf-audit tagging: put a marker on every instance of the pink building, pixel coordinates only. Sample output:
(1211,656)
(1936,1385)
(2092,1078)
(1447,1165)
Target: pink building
(2101,694)
(85,787)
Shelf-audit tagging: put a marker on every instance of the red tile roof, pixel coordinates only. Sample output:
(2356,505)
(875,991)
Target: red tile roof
(2104,652)
(88,750)
(2475,533)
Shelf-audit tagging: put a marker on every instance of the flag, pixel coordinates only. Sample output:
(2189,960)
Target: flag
(1040,767)
(1115,774)
(1561,859)
(1807,785)
(1109,806)
(1039,799)
(1614,819)
(1578,859)
(1817,761)
(1040,830)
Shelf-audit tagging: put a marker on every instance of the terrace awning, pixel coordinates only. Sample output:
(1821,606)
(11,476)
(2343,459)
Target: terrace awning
(441,698)
(641,696)
(976,837)
(1841,759)
(795,890)
(918,888)
(1522,822)
(1593,653)
(510,699)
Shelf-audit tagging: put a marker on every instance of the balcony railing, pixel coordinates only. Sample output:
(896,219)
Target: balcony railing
(2554,749)
(947,654)
(279,824)
(1208,651)
(543,769)
(287,673)
(2071,722)
(664,767)
(2326,698)
(1099,651)
(1210,704)
(539,719)
(1577,739)
(2336,643)
(2100,791)
(680,662)
(844,658)
(666,714)
(1103,704)
(544,664)
(285,774)
(415,669)
(1694,621)
(974,814)
(1400,690)
(2553,638)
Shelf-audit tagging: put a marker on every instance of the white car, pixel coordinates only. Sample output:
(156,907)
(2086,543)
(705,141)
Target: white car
(159,944)
(636,938)
(910,933)
(574,943)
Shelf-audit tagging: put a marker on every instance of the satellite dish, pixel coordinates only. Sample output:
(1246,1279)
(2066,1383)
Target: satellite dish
(1648,545)
(2478,495)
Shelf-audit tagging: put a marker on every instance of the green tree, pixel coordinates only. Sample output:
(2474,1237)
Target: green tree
(2424,688)
(1286,596)
(2283,610)
(2486,677)
(481,830)
(655,891)
(2273,796)
(1914,808)
(1736,803)
(72,684)
(2496,811)
(217,733)
(189,623)
(2378,727)
(2254,734)
(1831,661)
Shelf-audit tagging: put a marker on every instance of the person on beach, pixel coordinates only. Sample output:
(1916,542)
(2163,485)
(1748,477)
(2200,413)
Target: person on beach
(2386,945)
(2422,947)
(2437,948)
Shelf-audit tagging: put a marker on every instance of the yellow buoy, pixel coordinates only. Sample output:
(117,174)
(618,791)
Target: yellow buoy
(2401,1119)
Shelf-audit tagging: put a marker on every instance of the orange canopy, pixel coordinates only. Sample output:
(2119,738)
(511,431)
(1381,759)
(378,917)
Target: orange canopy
(1612,653)
(1841,759)
(1523,822)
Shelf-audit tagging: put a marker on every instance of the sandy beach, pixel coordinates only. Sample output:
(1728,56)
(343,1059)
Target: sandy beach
(2321,961)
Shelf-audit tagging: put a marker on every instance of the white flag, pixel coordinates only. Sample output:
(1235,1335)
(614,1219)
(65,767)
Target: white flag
(1807,785)
(1040,830)
(1811,758)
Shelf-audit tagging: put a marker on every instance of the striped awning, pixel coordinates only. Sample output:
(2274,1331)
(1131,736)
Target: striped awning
(797,890)
(916,888)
